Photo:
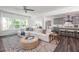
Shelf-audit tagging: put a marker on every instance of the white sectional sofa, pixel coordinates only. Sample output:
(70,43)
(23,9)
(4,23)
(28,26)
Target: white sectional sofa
(41,36)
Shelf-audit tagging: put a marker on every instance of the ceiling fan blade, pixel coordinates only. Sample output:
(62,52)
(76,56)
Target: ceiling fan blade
(29,9)
(24,7)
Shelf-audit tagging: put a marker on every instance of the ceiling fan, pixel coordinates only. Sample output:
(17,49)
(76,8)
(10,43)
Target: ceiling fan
(26,9)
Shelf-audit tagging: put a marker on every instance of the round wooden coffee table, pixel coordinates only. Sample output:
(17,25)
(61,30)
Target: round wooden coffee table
(29,44)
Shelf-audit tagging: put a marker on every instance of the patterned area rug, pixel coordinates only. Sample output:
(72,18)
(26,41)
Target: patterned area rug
(12,44)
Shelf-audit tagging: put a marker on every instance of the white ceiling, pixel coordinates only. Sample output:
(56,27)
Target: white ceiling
(38,9)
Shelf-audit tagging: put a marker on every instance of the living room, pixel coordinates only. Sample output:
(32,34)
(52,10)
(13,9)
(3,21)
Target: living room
(36,28)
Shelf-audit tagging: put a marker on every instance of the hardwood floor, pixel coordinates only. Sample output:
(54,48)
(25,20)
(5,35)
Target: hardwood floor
(68,44)
(1,46)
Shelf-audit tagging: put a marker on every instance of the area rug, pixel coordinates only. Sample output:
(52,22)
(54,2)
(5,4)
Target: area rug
(12,44)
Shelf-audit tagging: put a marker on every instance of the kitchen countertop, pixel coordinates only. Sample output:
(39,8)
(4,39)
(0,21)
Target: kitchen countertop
(69,29)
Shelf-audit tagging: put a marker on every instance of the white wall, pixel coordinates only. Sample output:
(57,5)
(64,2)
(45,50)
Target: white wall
(42,19)
(34,19)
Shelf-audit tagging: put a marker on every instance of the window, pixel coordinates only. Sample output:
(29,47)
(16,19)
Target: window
(13,23)
(4,24)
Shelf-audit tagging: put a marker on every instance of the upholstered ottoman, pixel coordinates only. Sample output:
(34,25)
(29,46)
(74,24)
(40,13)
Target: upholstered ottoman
(29,43)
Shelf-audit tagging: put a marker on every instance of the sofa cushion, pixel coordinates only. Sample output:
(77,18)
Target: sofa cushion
(23,33)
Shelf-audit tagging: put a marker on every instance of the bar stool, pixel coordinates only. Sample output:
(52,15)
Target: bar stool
(70,34)
(62,33)
(66,33)
(75,34)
